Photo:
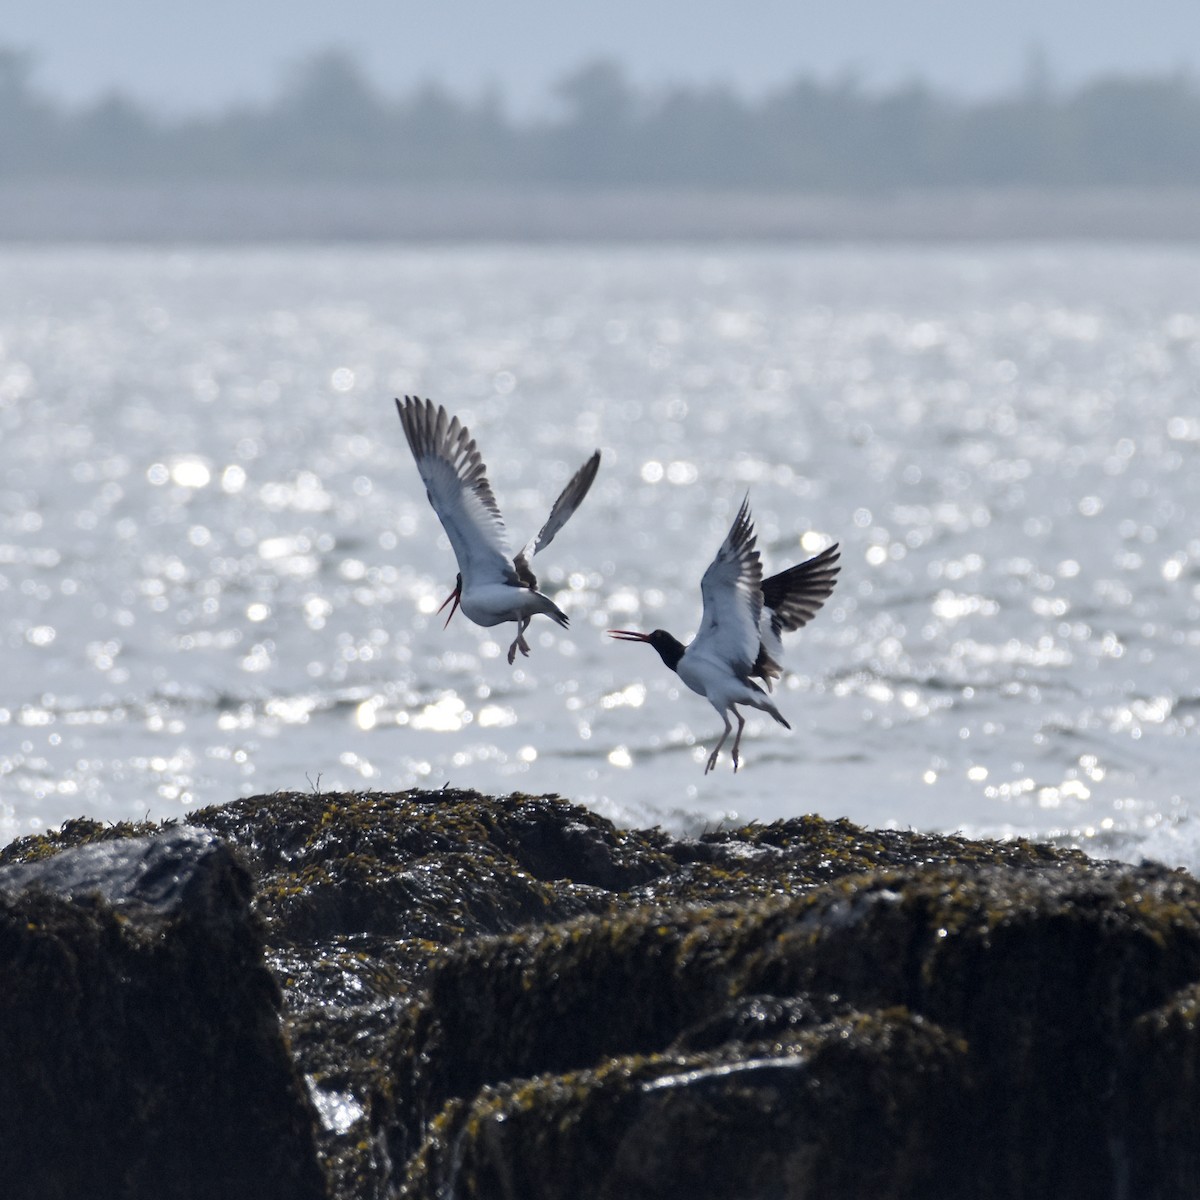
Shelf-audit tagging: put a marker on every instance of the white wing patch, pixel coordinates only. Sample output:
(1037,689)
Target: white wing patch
(732,594)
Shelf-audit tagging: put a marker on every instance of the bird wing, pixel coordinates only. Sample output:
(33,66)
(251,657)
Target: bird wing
(790,600)
(569,499)
(457,486)
(795,596)
(732,594)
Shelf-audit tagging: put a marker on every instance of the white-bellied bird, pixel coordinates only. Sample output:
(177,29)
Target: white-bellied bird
(740,630)
(491,587)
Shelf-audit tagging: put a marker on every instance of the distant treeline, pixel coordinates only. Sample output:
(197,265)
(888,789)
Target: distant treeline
(328,122)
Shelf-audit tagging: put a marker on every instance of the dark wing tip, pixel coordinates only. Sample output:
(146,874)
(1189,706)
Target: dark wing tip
(569,499)
(421,420)
(581,482)
(796,595)
(742,540)
(433,433)
(741,533)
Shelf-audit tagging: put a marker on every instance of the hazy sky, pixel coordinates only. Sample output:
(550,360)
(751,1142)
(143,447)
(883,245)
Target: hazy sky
(203,55)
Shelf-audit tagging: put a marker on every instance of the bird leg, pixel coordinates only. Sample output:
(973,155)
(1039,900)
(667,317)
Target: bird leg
(712,758)
(520,643)
(737,741)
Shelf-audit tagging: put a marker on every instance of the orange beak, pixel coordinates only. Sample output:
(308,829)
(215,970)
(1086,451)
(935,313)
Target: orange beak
(456,596)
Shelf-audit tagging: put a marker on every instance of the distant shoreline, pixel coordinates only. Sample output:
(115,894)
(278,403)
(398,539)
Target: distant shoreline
(235,213)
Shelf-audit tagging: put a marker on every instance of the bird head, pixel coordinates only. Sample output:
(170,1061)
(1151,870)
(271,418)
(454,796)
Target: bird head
(669,648)
(455,595)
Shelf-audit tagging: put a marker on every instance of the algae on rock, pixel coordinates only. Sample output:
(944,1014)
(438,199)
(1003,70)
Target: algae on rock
(511,997)
(141,1053)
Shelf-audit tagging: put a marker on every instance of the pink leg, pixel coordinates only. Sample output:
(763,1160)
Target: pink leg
(712,758)
(737,741)
(520,643)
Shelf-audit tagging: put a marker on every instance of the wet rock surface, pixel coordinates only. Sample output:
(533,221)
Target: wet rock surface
(510,997)
(140,1043)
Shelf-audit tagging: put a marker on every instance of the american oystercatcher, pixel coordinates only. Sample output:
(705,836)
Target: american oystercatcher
(740,630)
(491,588)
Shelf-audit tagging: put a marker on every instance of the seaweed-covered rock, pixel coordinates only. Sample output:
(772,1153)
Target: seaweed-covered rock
(1044,974)
(434,865)
(512,997)
(1158,1154)
(867,1106)
(759,1019)
(141,1053)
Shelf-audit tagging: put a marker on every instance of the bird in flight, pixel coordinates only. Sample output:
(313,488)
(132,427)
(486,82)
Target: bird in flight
(740,630)
(491,587)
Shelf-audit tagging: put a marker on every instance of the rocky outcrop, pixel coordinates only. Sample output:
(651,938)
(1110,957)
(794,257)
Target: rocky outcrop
(513,998)
(140,1045)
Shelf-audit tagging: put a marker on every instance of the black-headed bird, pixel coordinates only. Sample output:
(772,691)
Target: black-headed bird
(741,630)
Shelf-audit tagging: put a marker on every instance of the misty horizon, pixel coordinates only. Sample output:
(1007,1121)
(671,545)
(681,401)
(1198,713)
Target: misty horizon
(200,60)
(1037,76)
(330,122)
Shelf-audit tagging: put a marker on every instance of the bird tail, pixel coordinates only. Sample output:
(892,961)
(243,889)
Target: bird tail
(556,614)
(761,702)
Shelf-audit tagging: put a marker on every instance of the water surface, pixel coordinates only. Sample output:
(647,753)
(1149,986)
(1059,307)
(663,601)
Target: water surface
(219,572)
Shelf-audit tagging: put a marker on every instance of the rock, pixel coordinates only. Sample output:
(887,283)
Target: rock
(804,1117)
(1046,976)
(140,1040)
(1159,1152)
(512,997)
(438,866)
(171,872)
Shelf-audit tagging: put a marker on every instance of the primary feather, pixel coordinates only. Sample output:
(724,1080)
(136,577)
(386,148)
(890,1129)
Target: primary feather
(491,588)
(790,600)
(569,499)
(732,593)
(739,636)
(457,485)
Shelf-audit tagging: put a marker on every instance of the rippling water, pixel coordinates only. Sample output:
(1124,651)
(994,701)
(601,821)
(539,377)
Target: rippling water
(218,569)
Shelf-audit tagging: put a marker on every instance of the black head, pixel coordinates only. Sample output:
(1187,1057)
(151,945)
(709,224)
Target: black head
(670,649)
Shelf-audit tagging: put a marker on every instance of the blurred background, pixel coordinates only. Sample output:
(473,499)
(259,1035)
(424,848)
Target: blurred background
(923,280)
(394,120)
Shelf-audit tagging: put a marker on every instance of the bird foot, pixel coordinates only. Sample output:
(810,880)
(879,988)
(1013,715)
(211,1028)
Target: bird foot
(520,644)
(712,761)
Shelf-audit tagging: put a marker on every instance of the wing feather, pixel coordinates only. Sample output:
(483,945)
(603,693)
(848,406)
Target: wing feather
(456,483)
(796,595)
(733,599)
(569,499)
(790,600)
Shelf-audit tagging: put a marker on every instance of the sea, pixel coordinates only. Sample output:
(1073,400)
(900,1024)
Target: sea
(220,575)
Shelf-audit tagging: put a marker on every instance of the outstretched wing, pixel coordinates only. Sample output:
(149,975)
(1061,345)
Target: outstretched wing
(790,600)
(795,596)
(457,486)
(732,594)
(568,501)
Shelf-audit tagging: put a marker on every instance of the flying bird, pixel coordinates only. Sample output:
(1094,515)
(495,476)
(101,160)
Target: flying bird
(741,627)
(491,587)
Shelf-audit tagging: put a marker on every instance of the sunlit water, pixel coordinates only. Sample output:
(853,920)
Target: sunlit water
(219,571)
